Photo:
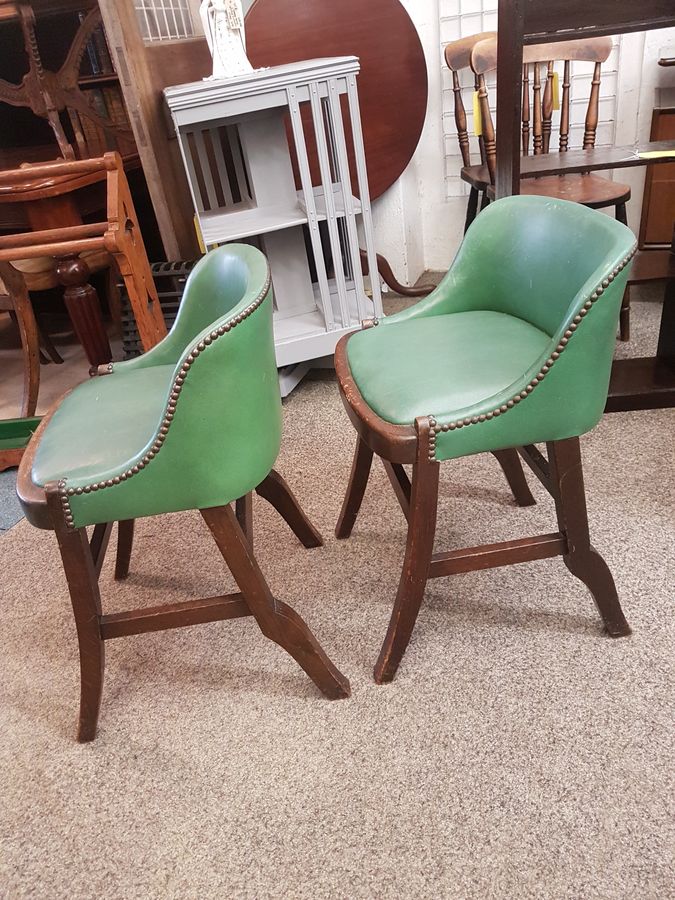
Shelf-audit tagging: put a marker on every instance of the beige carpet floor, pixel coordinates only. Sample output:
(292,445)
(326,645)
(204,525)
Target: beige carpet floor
(520,753)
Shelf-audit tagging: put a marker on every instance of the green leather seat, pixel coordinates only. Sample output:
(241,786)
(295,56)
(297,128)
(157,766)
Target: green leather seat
(123,445)
(512,349)
(501,328)
(456,361)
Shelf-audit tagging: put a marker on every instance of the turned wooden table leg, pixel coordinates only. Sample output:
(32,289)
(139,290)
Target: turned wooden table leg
(84,308)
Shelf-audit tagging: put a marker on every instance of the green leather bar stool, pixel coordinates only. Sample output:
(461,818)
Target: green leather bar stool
(514,348)
(194,423)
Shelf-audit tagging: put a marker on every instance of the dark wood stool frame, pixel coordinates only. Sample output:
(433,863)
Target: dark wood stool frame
(233,533)
(561,474)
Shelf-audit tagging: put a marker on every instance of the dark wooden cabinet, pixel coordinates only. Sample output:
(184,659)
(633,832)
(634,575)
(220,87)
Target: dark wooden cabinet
(656,225)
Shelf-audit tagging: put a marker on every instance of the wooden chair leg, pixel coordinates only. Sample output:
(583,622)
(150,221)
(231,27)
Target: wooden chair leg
(581,558)
(400,482)
(78,565)
(624,316)
(419,547)
(23,314)
(277,621)
(275,490)
(363,458)
(125,542)
(620,213)
(243,508)
(513,470)
(471,208)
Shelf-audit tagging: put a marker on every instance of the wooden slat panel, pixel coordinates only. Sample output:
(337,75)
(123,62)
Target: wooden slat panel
(238,160)
(223,177)
(206,169)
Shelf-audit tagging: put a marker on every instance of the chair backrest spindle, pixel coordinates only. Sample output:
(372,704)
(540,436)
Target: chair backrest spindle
(547,107)
(526,109)
(537,127)
(488,128)
(592,114)
(460,121)
(565,109)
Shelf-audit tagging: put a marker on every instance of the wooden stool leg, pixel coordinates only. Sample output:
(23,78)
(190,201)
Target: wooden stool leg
(277,621)
(624,316)
(471,208)
(400,482)
(581,558)
(275,490)
(620,213)
(125,542)
(419,547)
(513,470)
(244,511)
(78,564)
(363,457)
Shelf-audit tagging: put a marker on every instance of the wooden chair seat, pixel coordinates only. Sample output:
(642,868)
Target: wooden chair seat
(590,190)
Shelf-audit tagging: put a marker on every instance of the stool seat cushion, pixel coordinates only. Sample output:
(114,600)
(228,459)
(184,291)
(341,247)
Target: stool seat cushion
(102,425)
(442,365)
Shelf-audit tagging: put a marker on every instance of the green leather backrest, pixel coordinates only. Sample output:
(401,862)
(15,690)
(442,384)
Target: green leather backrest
(534,255)
(529,257)
(216,285)
(224,428)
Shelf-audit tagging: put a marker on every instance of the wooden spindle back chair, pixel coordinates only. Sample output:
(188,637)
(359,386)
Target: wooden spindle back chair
(457,58)
(480,54)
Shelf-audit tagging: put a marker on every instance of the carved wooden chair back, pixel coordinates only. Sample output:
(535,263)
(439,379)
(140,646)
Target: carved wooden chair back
(95,127)
(539,62)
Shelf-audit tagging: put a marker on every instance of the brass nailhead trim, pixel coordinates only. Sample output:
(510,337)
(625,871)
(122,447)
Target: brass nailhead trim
(65,492)
(539,377)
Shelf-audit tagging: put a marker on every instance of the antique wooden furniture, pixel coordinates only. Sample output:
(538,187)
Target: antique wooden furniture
(193,423)
(509,351)
(659,195)
(238,161)
(91,127)
(480,53)
(458,58)
(644,383)
(69,250)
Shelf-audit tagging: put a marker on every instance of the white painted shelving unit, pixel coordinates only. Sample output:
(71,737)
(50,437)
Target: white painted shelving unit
(240,165)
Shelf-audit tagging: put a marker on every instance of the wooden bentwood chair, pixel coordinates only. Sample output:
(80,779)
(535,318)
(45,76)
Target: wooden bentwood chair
(513,348)
(194,423)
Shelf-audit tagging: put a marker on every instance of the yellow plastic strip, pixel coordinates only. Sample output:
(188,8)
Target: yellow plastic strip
(200,237)
(556,91)
(656,154)
(477,118)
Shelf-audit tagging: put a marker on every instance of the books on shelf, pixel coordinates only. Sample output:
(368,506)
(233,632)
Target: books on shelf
(98,54)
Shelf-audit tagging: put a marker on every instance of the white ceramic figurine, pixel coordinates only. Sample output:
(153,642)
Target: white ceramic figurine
(223,22)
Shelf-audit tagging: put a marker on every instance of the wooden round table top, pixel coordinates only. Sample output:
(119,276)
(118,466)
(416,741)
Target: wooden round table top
(392,83)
